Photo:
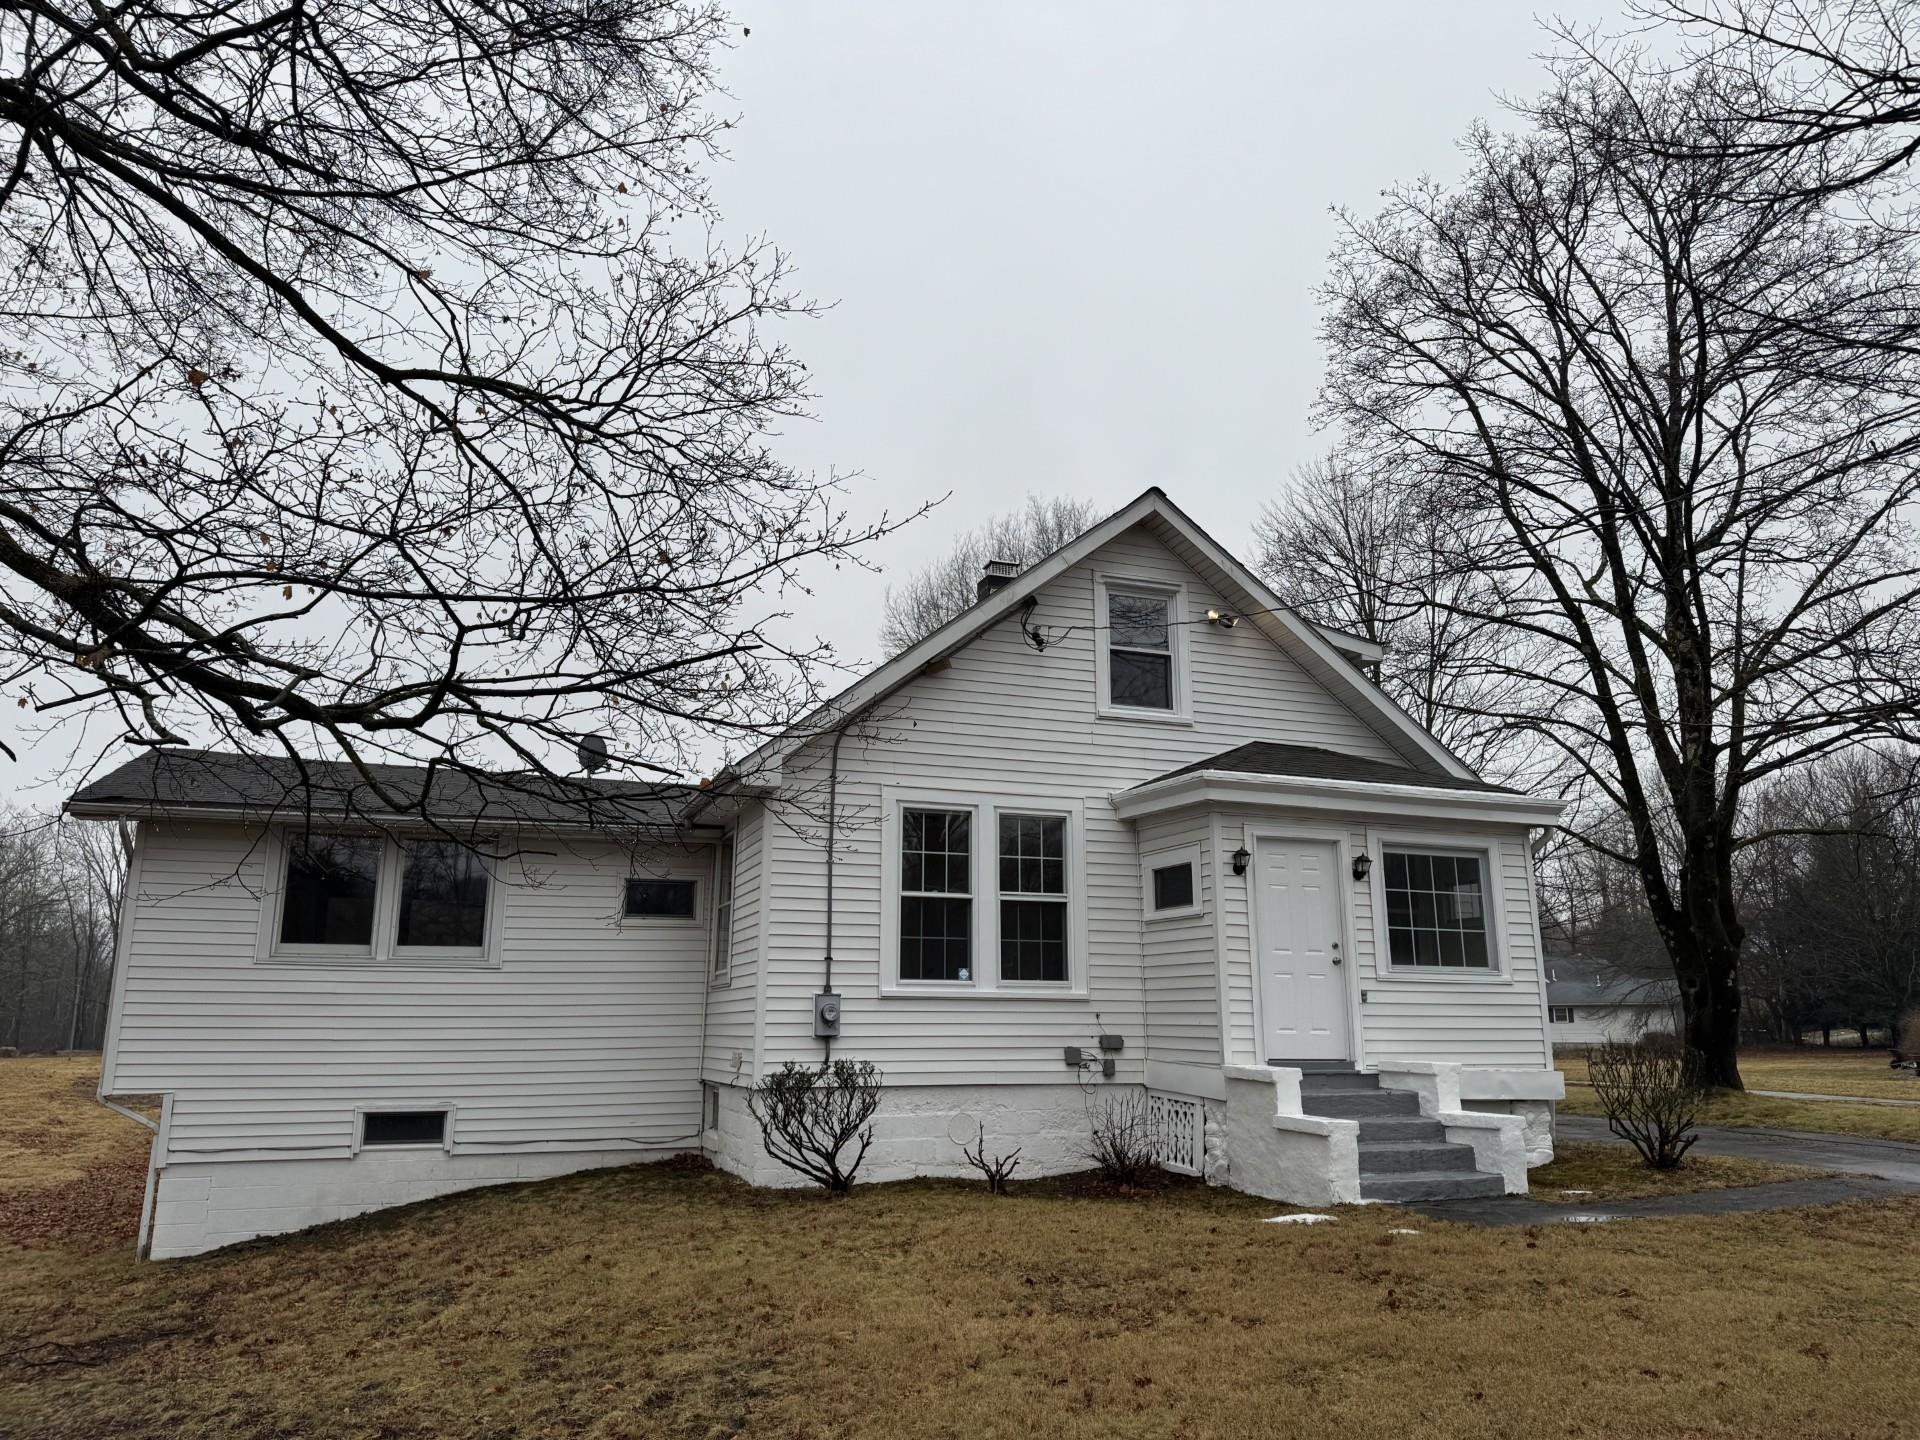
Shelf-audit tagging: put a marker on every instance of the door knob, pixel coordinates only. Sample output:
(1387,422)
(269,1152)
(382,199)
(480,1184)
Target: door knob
(1336,959)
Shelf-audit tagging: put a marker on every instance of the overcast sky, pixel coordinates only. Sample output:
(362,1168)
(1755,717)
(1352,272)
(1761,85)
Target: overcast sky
(1073,247)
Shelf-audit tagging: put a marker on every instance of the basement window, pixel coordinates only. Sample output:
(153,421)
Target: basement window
(402,1127)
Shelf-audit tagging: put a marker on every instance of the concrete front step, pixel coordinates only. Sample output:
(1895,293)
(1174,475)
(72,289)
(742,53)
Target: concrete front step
(1359,1104)
(1382,1128)
(1320,1081)
(1430,1185)
(1412,1156)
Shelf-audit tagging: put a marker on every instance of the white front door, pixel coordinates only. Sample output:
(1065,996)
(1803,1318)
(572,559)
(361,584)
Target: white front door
(1301,965)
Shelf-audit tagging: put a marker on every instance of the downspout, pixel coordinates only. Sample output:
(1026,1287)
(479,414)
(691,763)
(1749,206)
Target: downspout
(833,822)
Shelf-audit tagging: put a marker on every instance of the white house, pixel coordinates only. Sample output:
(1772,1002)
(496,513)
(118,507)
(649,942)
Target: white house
(1126,825)
(1590,1002)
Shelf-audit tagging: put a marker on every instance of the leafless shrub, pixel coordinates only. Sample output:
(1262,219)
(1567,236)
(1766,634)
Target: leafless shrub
(997,1169)
(1122,1140)
(1650,1091)
(809,1114)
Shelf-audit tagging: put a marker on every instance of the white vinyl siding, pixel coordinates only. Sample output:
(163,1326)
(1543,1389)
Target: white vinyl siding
(1179,959)
(1471,1018)
(730,1008)
(585,1035)
(1006,720)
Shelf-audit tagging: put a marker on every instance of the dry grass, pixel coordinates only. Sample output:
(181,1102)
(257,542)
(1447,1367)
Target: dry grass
(1833,1072)
(1616,1172)
(654,1302)
(1806,1069)
(51,1132)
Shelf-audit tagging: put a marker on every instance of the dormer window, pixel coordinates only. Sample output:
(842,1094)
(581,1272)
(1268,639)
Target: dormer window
(1142,649)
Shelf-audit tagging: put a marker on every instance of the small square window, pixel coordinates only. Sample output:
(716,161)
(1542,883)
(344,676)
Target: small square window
(660,899)
(403,1127)
(1560,1014)
(1173,886)
(331,881)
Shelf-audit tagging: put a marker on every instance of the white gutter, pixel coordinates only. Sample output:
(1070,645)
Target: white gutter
(254,815)
(1424,802)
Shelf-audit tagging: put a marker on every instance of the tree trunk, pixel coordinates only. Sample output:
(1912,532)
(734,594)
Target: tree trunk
(1709,1007)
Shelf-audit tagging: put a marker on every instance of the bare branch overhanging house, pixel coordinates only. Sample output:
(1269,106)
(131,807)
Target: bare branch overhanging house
(1127,823)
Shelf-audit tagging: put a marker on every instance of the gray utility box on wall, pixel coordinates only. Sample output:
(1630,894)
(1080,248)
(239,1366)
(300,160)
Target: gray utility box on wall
(826,1016)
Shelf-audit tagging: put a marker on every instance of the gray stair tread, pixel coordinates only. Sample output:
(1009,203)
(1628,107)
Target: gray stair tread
(1378,1129)
(1428,1184)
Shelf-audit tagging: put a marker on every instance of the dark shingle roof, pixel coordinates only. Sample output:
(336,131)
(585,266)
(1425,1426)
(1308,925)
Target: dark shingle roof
(1582,980)
(163,782)
(1262,757)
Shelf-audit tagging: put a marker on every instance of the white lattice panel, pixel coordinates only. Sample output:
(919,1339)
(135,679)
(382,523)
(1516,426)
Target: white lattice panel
(1179,1131)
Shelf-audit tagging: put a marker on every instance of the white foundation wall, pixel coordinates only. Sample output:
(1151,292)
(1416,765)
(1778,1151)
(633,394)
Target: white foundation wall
(915,1130)
(203,1205)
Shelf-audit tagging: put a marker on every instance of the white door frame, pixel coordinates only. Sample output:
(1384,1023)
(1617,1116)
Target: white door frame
(1343,864)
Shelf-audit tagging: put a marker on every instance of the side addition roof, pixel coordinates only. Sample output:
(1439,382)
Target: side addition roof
(1262,757)
(267,787)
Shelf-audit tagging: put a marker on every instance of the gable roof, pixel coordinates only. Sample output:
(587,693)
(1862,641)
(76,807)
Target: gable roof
(1263,757)
(268,787)
(1322,654)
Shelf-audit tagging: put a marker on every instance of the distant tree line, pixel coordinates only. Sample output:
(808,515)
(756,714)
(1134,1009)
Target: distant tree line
(62,883)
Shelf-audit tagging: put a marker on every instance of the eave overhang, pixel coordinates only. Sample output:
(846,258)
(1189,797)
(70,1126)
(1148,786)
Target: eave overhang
(1213,788)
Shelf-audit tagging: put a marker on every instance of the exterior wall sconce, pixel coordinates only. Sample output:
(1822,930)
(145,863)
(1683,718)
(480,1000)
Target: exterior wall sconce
(1222,619)
(1362,864)
(1240,859)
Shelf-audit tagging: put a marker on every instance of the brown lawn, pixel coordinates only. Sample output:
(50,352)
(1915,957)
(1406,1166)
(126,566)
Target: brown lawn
(1615,1172)
(1808,1070)
(673,1302)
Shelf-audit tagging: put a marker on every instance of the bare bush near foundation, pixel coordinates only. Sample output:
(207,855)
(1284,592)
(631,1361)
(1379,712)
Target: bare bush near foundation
(809,1114)
(1650,1090)
(1122,1143)
(997,1170)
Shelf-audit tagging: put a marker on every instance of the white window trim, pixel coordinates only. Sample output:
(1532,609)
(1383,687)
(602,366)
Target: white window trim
(1560,1015)
(384,952)
(720,966)
(1176,597)
(701,899)
(986,810)
(360,1112)
(1499,969)
(1161,860)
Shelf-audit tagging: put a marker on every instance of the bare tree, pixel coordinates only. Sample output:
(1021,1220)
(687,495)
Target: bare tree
(1672,428)
(1365,558)
(1837,76)
(61,887)
(375,379)
(935,593)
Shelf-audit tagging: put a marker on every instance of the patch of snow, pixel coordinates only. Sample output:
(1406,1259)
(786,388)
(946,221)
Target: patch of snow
(1576,1192)
(1403,1232)
(1296,1219)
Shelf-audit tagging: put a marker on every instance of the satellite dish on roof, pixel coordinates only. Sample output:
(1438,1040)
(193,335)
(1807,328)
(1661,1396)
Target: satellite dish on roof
(592,751)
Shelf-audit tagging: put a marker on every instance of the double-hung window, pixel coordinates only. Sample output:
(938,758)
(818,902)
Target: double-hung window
(1139,651)
(347,896)
(1140,660)
(1437,910)
(985,895)
(936,895)
(1033,898)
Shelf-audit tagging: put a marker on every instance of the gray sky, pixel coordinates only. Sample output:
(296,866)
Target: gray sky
(1072,246)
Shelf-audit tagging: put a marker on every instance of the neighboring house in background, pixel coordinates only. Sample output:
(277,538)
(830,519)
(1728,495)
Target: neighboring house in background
(1590,1001)
(1128,826)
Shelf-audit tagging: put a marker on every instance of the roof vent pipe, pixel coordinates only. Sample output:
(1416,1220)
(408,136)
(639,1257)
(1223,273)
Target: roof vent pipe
(996,574)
